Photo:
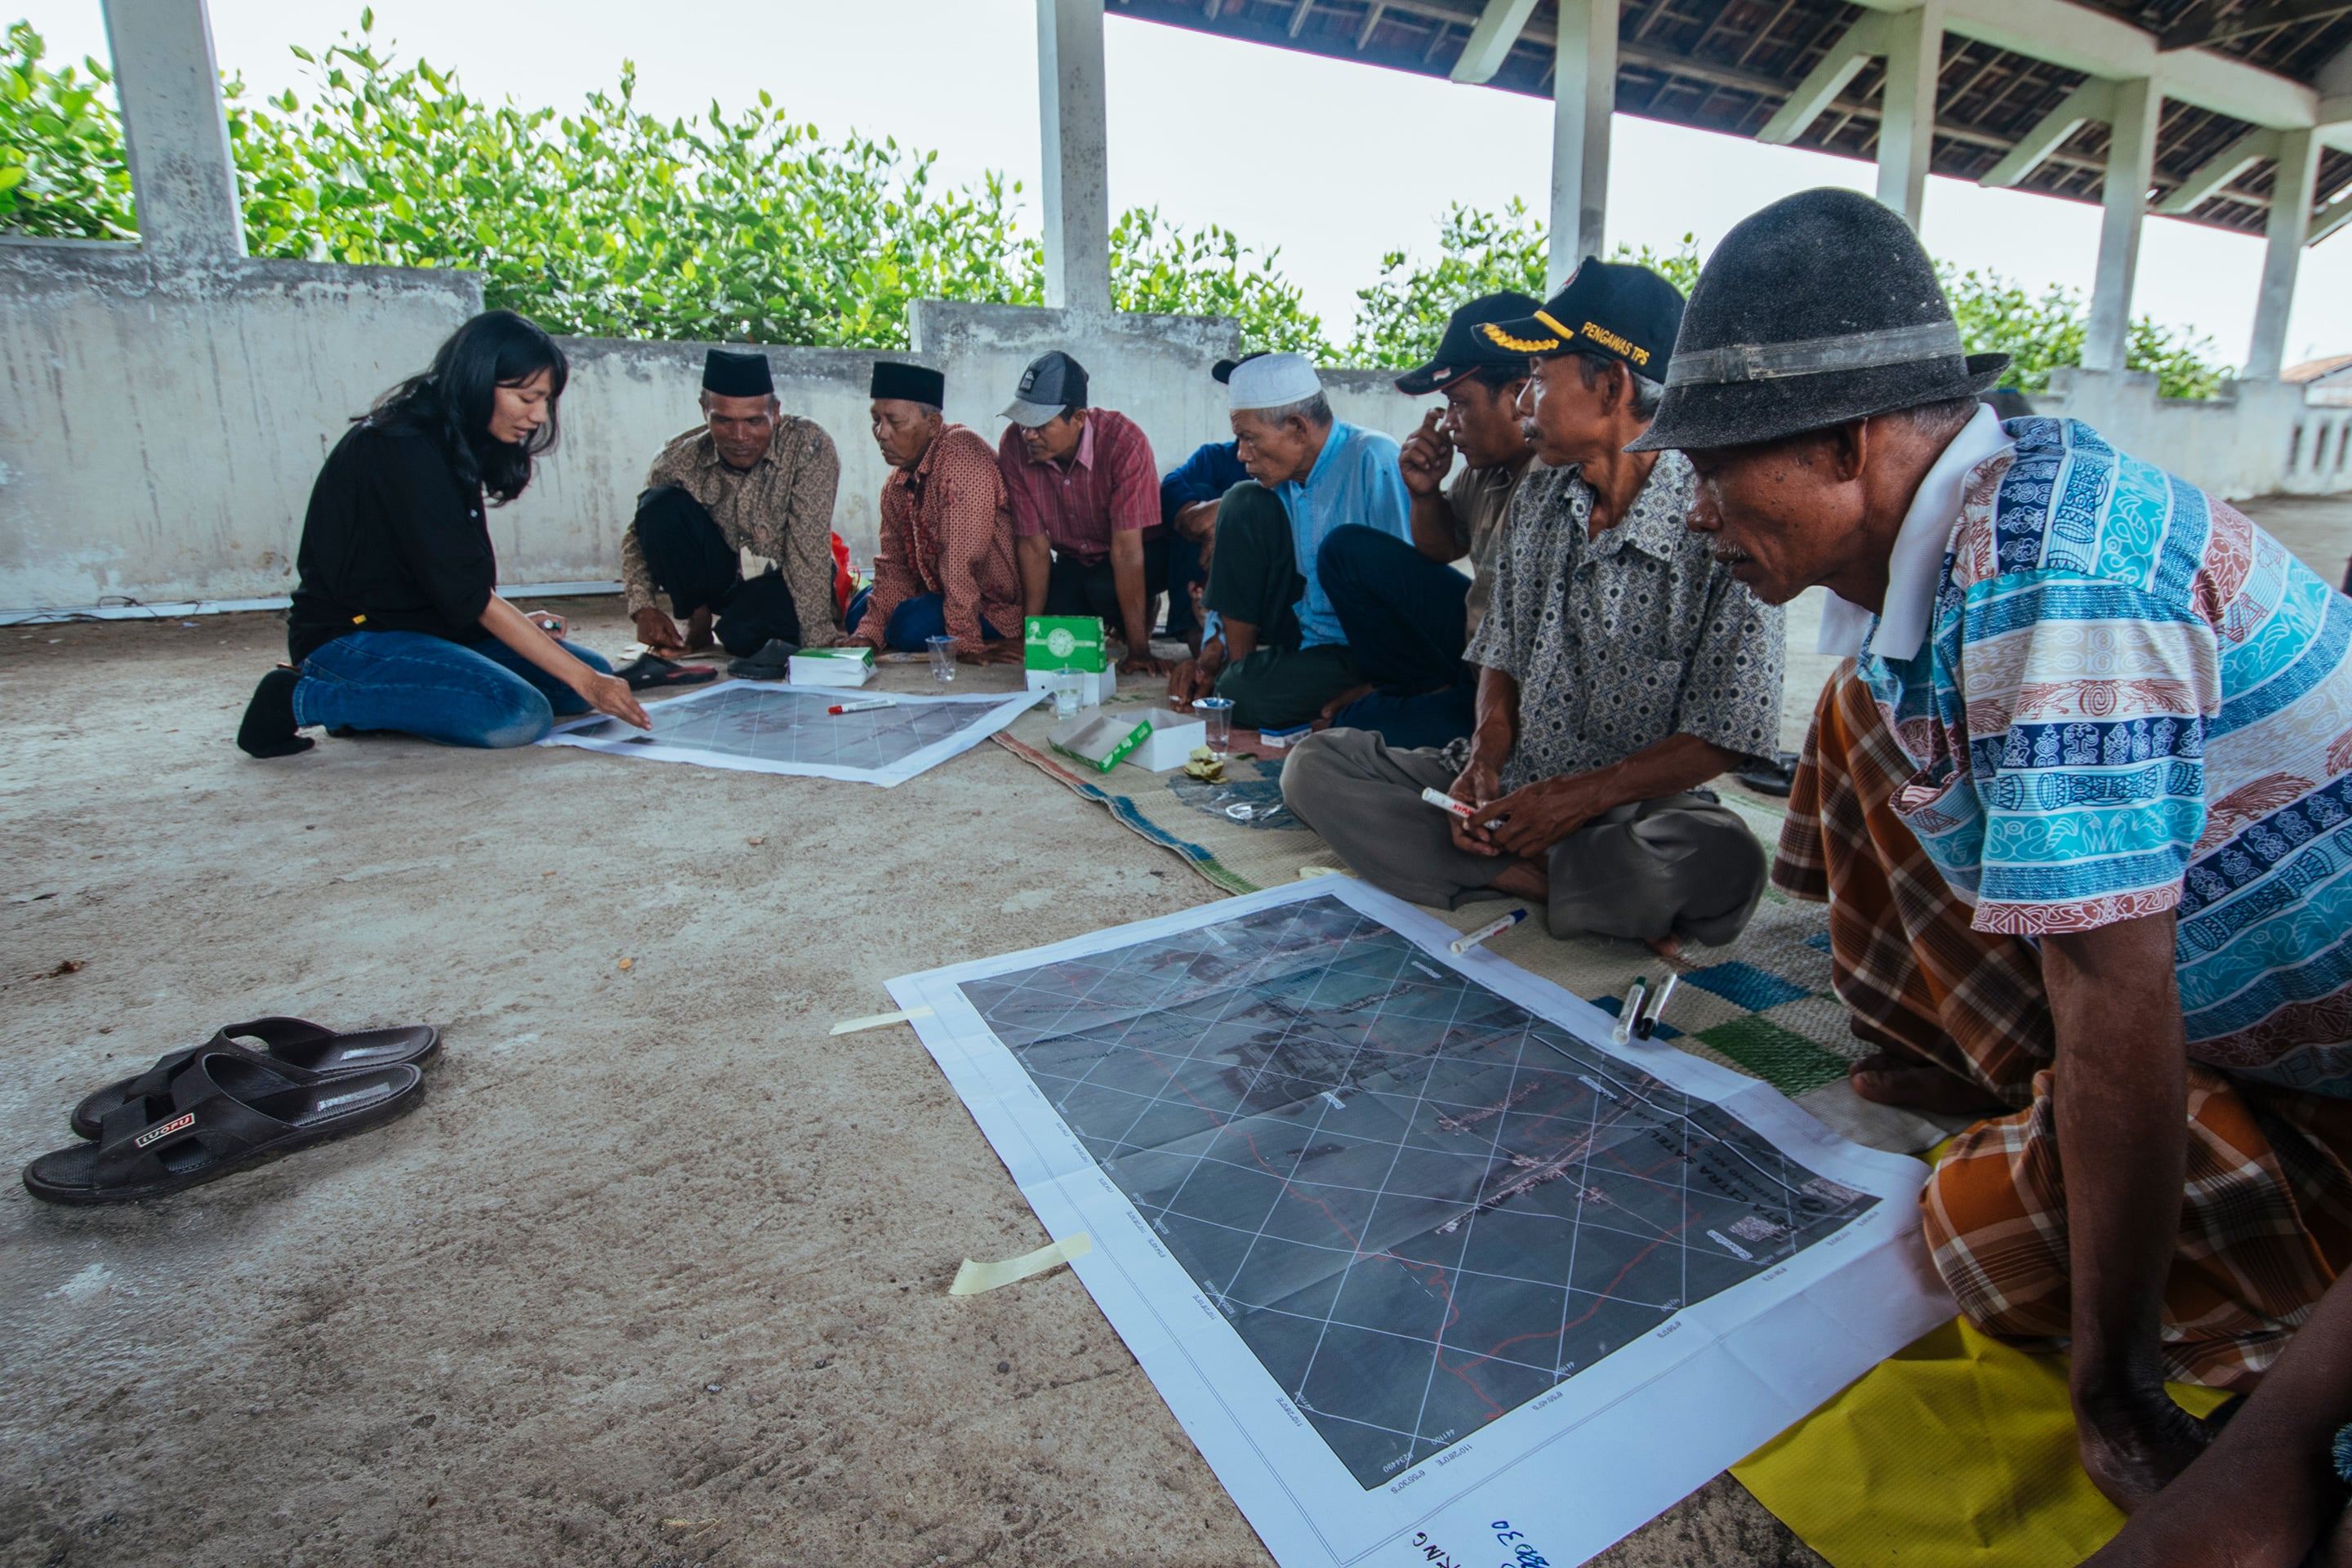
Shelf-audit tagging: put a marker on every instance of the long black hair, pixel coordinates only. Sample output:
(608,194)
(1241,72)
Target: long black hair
(452,400)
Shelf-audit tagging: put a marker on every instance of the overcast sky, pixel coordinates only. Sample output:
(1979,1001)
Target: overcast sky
(1333,163)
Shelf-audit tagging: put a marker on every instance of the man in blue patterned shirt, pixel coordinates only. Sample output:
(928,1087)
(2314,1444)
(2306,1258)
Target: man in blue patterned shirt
(2081,808)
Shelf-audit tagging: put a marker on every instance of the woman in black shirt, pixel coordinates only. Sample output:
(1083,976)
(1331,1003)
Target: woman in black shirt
(397,622)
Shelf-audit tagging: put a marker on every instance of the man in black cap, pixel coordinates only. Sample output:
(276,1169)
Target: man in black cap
(1408,613)
(2080,802)
(1621,670)
(944,565)
(1086,508)
(750,477)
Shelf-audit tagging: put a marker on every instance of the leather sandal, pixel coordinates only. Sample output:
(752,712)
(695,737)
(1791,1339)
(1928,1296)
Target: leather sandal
(296,1050)
(224,1114)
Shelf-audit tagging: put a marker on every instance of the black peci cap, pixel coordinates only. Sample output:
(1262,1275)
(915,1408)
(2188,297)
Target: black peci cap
(908,383)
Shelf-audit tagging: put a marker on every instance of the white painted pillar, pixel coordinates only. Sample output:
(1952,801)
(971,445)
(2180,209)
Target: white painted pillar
(2131,163)
(174,131)
(1075,134)
(2292,183)
(1914,41)
(1584,94)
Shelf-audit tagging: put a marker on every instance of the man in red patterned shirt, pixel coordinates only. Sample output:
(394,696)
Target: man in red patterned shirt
(1086,508)
(944,565)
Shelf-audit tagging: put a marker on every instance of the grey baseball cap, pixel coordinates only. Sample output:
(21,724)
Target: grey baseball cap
(1053,382)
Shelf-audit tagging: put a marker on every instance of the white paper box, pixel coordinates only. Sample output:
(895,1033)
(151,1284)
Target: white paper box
(1093,689)
(831,669)
(1171,743)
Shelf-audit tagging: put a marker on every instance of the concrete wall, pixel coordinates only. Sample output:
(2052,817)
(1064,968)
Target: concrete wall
(626,398)
(161,421)
(160,424)
(2259,438)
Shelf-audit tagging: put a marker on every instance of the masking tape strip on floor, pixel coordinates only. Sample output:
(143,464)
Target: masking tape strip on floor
(973,1277)
(851,1026)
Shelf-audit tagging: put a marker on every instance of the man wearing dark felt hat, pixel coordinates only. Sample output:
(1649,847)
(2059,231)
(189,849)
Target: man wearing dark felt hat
(2080,804)
(944,566)
(1407,612)
(750,477)
(1620,669)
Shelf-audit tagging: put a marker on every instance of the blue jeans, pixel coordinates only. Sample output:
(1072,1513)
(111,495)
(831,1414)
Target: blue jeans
(924,616)
(479,694)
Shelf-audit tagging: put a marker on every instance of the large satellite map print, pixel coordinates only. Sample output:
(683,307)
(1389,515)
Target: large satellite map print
(754,728)
(1420,1205)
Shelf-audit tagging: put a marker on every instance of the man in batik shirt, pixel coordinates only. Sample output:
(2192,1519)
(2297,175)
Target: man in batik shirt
(944,566)
(2081,808)
(1620,671)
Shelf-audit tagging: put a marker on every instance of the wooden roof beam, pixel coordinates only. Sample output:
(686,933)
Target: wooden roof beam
(1499,27)
(2098,44)
(2218,170)
(1836,71)
(2094,99)
(2263,17)
(2329,218)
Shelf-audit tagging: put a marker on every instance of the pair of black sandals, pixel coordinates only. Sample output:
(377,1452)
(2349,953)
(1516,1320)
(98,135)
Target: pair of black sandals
(255,1091)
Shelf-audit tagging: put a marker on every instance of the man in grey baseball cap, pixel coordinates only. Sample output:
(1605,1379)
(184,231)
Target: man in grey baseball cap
(1085,491)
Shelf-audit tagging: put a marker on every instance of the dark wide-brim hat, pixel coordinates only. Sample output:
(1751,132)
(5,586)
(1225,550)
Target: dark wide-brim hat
(1819,310)
(1465,349)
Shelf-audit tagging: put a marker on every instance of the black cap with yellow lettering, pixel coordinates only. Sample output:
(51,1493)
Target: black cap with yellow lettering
(1607,308)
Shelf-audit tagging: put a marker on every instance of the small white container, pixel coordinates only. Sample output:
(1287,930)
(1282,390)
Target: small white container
(1092,687)
(1170,744)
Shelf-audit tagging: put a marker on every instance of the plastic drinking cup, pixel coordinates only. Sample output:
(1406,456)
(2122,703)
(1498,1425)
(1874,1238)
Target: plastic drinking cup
(1066,693)
(942,658)
(1217,714)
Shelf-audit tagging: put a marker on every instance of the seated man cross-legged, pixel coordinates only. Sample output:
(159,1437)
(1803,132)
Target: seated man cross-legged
(1621,670)
(748,477)
(1086,508)
(1272,646)
(1190,495)
(2080,803)
(944,564)
(1408,614)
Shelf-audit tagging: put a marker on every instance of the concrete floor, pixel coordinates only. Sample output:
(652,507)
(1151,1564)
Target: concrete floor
(656,1275)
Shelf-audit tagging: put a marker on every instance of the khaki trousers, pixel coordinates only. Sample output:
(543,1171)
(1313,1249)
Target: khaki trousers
(1682,865)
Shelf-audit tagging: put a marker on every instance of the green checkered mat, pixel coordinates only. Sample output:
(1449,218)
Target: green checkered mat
(1761,1007)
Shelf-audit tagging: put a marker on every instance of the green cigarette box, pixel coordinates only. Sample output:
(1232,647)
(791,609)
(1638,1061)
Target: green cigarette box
(1064,642)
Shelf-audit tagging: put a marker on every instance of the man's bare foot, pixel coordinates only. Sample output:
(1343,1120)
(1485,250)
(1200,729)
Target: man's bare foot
(698,632)
(1331,709)
(1890,1079)
(1667,947)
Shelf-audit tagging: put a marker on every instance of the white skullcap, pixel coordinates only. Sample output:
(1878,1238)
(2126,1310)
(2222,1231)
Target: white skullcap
(1273,381)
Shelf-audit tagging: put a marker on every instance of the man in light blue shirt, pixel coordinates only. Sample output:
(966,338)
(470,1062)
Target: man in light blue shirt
(1273,642)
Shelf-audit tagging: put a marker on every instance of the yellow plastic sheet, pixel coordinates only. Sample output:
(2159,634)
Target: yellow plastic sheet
(1957,1453)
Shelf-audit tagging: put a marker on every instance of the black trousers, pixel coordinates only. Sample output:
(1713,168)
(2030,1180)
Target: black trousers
(1074,588)
(691,562)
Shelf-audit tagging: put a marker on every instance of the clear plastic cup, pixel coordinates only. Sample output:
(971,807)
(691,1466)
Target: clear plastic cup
(1065,692)
(1217,714)
(942,658)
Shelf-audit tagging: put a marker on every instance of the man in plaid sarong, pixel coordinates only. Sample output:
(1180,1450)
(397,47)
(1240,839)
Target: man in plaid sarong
(2081,808)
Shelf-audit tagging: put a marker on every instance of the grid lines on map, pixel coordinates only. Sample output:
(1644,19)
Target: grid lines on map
(1418,1203)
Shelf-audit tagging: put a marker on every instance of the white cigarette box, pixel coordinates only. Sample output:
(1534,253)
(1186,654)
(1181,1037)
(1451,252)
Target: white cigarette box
(1170,744)
(833,666)
(1094,685)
